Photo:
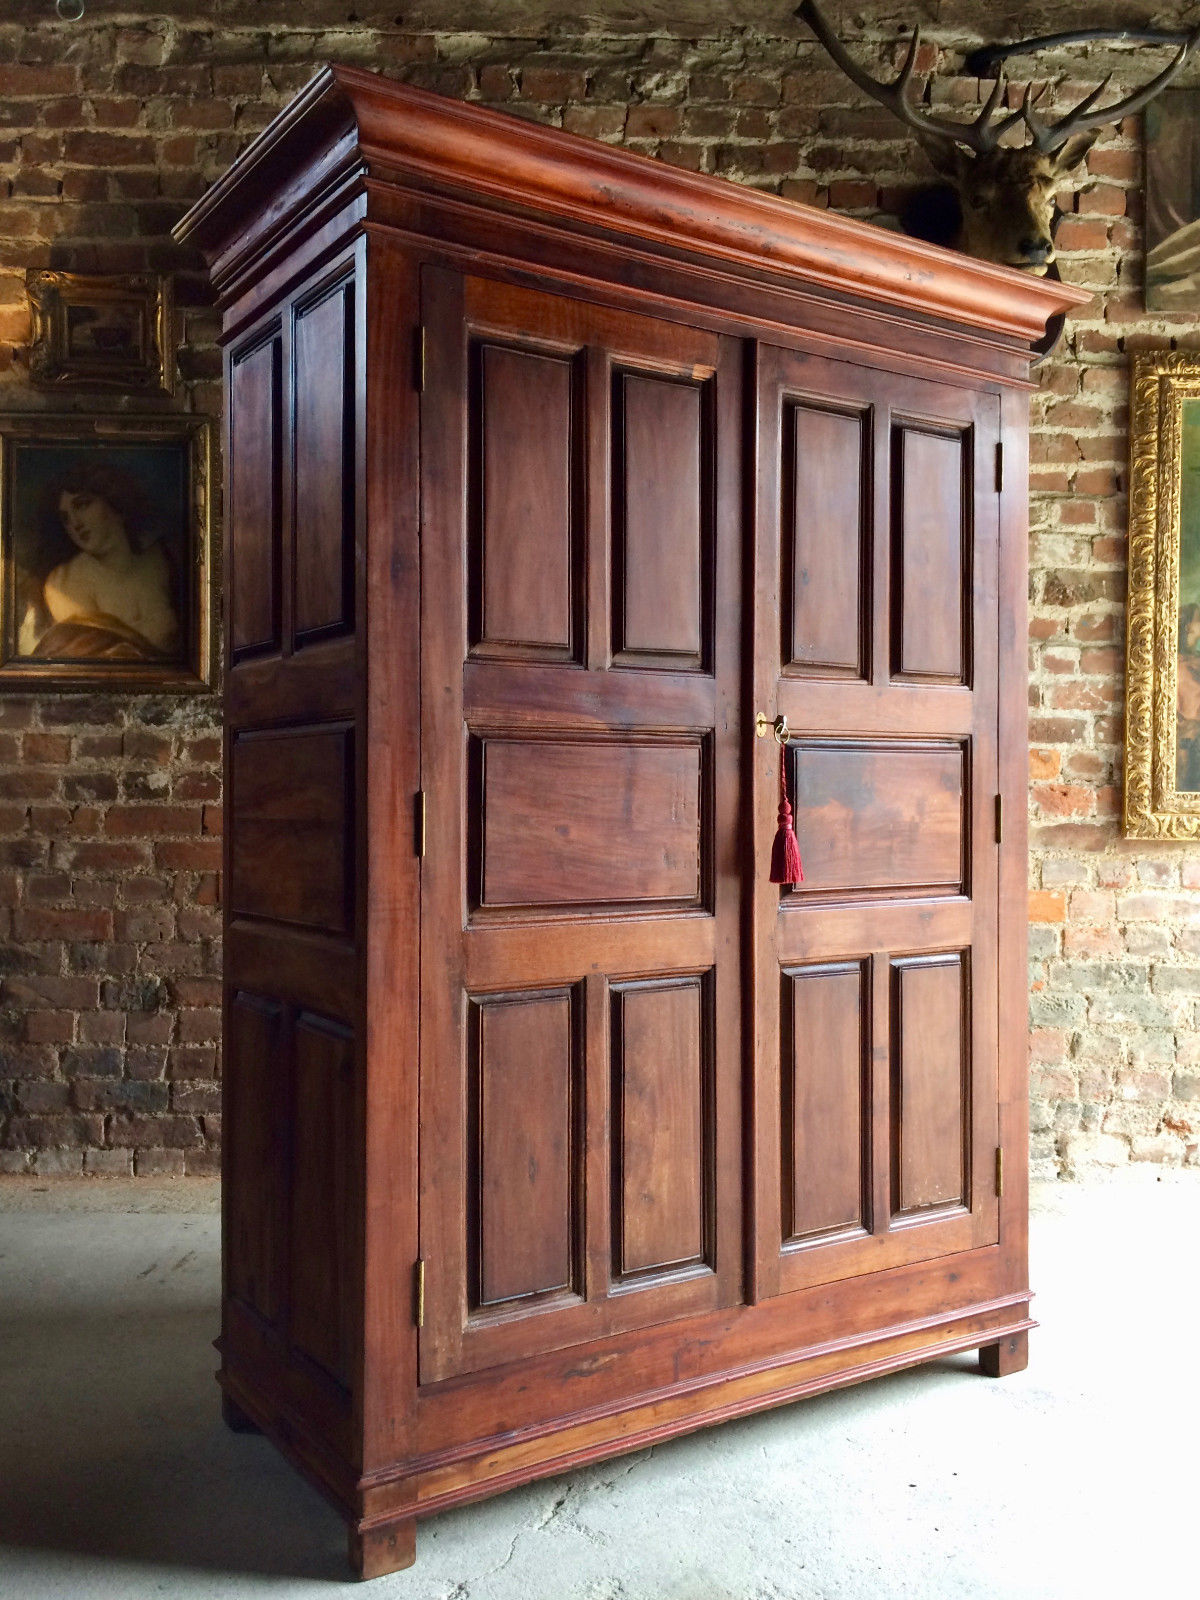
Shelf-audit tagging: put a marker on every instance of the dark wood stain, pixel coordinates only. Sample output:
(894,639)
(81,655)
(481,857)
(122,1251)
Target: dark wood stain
(672,1145)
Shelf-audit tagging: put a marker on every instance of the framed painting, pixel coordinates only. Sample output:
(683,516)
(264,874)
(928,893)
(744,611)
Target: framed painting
(1162,658)
(1173,201)
(106,553)
(101,333)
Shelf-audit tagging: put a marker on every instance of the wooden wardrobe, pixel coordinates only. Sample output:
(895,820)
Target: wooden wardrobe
(552,1126)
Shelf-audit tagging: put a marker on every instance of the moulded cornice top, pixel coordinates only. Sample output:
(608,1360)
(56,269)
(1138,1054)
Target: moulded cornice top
(347,115)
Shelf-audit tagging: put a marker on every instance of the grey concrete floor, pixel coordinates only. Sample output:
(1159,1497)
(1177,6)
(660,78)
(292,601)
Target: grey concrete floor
(1076,1478)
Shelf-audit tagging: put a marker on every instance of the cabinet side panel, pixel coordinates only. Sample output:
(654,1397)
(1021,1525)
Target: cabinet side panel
(323,475)
(294,897)
(321,1193)
(255,1158)
(254,495)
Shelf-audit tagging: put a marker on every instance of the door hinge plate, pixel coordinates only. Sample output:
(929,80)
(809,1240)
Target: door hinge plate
(419,1294)
(999,819)
(419,810)
(999,1172)
(419,360)
(999,466)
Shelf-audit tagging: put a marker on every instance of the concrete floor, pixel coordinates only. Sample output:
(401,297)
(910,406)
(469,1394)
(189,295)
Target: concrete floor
(1076,1478)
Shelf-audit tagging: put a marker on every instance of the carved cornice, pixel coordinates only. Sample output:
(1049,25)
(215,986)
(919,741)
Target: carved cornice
(413,139)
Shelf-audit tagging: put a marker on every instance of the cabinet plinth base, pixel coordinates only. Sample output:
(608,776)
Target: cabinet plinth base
(1009,1356)
(376,1551)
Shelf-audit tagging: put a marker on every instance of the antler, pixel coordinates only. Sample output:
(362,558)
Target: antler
(977,135)
(1052,137)
(982,136)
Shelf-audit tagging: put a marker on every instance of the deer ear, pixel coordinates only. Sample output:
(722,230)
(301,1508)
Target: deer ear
(1074,151)
(944,155)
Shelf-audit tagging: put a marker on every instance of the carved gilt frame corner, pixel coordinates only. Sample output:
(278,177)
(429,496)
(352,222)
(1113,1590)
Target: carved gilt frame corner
(1154,806)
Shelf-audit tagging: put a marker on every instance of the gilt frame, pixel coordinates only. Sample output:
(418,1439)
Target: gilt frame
(43,457)
(1164,560)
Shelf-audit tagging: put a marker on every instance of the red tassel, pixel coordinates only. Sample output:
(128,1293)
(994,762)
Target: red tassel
(785,852)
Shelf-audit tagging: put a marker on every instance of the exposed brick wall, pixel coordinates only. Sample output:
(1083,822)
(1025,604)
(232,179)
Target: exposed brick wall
(108,809)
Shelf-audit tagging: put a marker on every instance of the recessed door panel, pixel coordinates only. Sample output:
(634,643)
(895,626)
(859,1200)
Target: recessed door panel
(662,450)
(324,469)
(255,497)
(825,523)
(662,1126)
(880,817)
(525,579)
(930,1083)
(585,823)
(931,542)
(525,1088)
(825,1078)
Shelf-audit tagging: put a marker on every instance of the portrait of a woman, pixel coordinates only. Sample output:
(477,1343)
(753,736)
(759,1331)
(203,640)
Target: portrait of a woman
(99,582)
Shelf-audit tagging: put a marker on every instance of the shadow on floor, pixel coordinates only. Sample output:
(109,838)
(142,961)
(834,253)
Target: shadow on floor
(115,1423)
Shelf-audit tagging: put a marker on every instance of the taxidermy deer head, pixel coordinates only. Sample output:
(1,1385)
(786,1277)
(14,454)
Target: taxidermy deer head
(1005,192)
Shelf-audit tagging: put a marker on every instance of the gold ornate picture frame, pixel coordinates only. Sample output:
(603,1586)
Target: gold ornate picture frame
(106,560)
(101,332)
(1162,656)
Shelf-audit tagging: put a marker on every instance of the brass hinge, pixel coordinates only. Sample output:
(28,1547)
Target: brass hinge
(419,1294)
(419,360)
(999,819)
(999,1172)
(999,466)
(419,822)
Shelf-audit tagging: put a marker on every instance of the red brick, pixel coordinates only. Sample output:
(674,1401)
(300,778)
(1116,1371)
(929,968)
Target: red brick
(1045,906)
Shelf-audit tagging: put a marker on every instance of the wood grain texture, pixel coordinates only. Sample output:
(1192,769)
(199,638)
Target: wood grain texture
(578,824)
(662,504)
(930,1082)
(878,817)
(662,1132)
(931,542)
(826,551)
(525,1096)
(825,1076)
(292,836)
(526,540)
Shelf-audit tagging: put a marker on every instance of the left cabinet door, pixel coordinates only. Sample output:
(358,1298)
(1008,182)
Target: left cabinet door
(580,996)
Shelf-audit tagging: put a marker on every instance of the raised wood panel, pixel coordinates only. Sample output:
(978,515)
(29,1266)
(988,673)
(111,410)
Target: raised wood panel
(525,1105)
(662,1139)
(878,816)
(253,549)
(526,581)
(930,554)
(320,1322)
(291,843)
(662,515)
(587,823)
(825,1080)
(825,513)
(930,1082)
(255,1173)
(324,471)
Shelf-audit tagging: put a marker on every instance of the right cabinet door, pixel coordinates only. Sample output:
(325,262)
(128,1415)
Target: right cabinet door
(876,978)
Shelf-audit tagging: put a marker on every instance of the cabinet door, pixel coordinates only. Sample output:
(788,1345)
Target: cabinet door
(580,1027)
(876,979)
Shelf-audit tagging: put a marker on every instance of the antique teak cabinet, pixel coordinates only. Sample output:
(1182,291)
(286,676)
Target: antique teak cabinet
(552,1127)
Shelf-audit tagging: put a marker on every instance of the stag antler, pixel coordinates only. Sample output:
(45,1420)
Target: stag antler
(982,136)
